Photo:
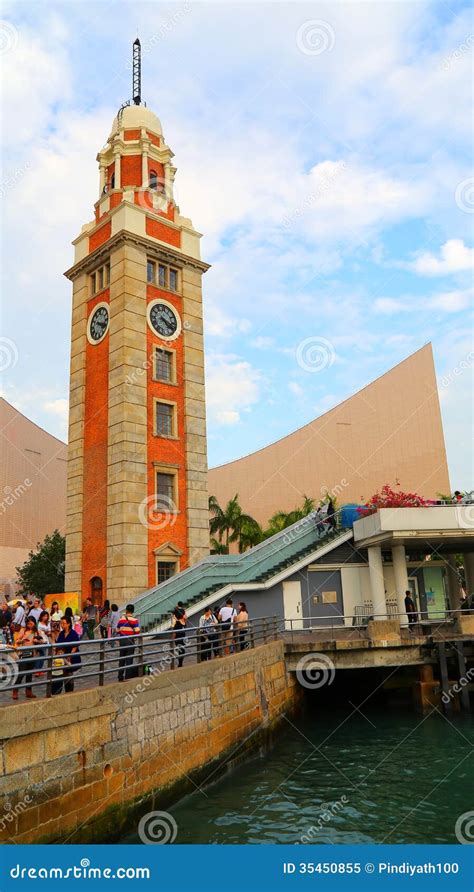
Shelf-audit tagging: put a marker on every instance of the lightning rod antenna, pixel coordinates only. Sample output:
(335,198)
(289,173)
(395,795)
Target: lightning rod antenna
(137,72)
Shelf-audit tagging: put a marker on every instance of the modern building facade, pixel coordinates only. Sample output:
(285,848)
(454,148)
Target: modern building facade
(389,430)
(137,470)
(33,472)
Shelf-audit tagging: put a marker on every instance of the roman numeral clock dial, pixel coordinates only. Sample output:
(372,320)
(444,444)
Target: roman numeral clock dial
(163,320)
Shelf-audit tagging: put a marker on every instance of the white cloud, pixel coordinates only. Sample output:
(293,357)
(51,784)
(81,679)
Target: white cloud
(232,387)
(452,301)
(454,257)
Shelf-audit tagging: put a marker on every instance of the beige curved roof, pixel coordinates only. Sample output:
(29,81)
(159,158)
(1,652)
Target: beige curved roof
(390,429)
(132,117)
(32,487)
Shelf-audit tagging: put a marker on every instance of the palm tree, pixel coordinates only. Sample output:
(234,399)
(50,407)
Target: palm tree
(230,524)
(282,519)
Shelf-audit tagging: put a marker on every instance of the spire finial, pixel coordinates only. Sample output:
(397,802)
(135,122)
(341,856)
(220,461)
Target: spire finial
(137,72)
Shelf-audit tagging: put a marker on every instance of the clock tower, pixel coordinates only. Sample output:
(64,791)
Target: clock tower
(137,505)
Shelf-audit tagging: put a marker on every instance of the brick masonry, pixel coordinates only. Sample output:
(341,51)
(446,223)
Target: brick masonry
(74,768)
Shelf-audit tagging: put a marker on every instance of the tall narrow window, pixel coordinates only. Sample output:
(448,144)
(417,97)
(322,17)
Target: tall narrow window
(164,365)
(100,276)
(92,283)
(107,274)
(165,500)
(150,271)
(112,181)
(173,280)
(164,420)
(153,179)
(162,276)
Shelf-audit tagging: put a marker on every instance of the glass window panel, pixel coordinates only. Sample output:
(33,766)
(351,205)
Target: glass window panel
(164,365)
(162,276)
(100,277)
(164,419)
(165,570)
(150,271)
(173,280)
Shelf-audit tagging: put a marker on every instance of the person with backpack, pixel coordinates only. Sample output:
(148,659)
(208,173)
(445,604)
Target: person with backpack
(105,619)
(226,618)
(209,635)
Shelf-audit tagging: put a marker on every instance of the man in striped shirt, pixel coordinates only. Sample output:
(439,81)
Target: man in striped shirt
(127,627)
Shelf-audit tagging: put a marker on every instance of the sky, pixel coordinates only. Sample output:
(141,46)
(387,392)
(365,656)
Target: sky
(323,150)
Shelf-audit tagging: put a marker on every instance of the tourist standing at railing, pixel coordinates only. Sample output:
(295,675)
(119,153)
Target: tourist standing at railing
(410,608)
(114,618)
(36,610)
(44,627)
(210,637)
(19,619)
(226,618)
(178,624)
(105,618)
(5,625)
(56,616)
(241,625)
(27,641)
(319,521)
(89,618)
(68,643)
(127,628)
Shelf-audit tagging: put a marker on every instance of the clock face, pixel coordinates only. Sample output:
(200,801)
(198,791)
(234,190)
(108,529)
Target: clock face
(98,324)
(163,320)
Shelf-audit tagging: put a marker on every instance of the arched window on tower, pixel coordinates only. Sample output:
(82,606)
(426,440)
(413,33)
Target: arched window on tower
(153,179)
(96,590)
(112,181)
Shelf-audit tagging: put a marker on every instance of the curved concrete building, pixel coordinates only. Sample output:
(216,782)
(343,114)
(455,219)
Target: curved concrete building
(33,490)
(389,430)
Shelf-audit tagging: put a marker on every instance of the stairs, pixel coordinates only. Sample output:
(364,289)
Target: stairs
(215,572)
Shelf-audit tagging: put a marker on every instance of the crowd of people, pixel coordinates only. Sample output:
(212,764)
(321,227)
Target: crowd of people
(27,627)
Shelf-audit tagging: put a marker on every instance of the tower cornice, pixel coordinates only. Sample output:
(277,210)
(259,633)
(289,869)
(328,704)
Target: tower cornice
(154,250)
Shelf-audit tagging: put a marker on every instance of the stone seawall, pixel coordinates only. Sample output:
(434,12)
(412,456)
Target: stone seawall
(77,767)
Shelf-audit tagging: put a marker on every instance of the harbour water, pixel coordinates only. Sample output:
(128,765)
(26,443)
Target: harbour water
(341,777)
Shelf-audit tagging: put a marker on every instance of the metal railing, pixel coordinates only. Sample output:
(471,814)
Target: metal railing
(349,622)
(121,658)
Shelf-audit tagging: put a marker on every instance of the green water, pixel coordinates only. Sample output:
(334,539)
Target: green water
(395,777)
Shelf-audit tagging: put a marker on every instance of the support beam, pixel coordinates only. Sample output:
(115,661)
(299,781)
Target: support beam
(469,572)
(377,583)
(443,670)
(465,700)
(401,580)
(453,583)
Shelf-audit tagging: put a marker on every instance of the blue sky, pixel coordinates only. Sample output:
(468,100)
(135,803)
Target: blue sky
(324,151)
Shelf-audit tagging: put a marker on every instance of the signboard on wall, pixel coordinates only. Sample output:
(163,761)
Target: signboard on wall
(434,592)
(64,599)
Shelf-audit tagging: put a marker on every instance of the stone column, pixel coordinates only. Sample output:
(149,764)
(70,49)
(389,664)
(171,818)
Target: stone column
(401,580)
(453,583)
(377,583)
(145,178)
(101,179)
(117,170)
(469,572)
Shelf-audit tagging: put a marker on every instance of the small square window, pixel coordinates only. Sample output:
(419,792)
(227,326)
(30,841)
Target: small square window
(165,570)
(150,271)
(163,365)
(164,420)
(162,276)
(173,280)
